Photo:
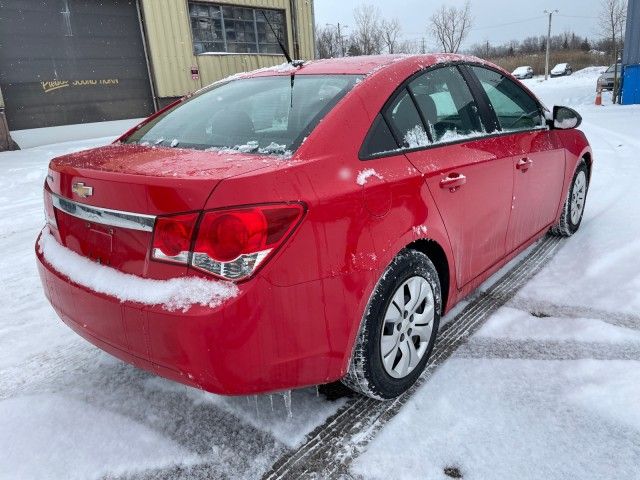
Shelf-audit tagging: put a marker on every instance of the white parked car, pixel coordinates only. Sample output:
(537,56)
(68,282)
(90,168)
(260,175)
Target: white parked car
(523,72)
(561,69)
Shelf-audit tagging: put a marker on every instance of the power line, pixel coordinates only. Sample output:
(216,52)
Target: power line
(576,16)
(515,22)
(524,20)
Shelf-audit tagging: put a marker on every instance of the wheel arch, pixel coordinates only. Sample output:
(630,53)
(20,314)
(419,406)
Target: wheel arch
(438,257)
(589,161)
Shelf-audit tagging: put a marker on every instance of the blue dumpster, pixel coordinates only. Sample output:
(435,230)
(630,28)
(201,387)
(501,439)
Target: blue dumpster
(631,85)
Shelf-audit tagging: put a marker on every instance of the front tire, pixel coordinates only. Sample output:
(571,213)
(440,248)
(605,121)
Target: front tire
(398,330)
(573,208)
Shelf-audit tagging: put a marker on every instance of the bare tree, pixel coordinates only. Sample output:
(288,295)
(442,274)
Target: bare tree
(327,42)
(450,26)
(612,24)
(367,36)
(391,33)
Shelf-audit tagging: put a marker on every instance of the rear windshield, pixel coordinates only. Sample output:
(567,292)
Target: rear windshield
(267,115)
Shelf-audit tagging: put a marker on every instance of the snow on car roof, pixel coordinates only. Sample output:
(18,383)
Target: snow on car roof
(522,69)
(360,65)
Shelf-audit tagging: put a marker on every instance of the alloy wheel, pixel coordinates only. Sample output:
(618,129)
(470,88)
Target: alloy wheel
(407,327)
(578,195)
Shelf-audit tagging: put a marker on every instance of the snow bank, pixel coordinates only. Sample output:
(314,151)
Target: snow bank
(365,174)
(173,294)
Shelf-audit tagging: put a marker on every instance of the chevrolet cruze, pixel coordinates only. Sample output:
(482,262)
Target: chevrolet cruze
(307,223)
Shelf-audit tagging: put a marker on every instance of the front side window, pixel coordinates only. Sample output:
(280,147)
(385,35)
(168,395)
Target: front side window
(231,29)
(447,105)
(515,108)
(264,115)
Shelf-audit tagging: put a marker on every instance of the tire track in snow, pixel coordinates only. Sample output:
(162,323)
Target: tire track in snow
(487,348)
(549,309)
(331,447)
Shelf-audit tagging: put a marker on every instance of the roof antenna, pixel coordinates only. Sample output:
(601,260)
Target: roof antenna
(296,63)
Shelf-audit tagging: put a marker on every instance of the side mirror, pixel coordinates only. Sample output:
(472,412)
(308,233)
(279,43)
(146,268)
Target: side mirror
(565,118)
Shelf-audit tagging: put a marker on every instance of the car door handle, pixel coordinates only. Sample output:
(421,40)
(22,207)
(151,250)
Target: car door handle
(453,181)
(524,164)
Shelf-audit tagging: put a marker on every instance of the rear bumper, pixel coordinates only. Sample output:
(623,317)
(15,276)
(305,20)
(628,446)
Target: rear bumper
(266,339)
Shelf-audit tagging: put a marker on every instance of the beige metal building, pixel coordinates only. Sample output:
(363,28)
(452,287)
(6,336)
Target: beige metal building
(172,29)
(116,59)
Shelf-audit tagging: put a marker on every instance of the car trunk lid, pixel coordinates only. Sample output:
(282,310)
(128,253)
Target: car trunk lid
(105,200)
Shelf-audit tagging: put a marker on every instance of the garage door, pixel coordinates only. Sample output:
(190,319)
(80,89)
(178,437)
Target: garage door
(72,61)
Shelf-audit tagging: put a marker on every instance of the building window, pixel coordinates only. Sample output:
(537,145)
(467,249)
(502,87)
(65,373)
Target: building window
(231,29)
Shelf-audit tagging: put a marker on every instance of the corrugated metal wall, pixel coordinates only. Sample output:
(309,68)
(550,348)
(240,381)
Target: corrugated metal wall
(631,53)
(171,47)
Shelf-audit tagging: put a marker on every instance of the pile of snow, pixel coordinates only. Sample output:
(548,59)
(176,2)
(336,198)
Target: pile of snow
(454,136)
(173,294)
(254,147)
(365,174)
(416,137)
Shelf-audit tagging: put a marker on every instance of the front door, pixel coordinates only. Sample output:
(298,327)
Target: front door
(537,157)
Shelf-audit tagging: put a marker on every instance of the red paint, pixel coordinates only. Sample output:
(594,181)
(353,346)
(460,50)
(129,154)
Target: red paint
(295,321)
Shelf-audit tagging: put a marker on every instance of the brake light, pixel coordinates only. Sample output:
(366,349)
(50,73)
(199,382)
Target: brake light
(229,243)
(234,243)
(172,237)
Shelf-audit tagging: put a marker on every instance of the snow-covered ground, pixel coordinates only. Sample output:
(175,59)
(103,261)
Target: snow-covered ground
(548,388)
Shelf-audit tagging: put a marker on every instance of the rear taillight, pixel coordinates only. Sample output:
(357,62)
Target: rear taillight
(229,243)
(172,237)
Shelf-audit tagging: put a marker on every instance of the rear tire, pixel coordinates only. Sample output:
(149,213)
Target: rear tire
(398,330)
(573,208)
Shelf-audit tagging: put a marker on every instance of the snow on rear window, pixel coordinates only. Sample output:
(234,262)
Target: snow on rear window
(174,294)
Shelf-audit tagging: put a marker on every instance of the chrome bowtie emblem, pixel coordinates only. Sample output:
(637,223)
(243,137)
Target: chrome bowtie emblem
(81,190)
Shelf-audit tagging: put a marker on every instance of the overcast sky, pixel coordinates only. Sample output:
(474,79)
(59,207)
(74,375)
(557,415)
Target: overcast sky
(495,20)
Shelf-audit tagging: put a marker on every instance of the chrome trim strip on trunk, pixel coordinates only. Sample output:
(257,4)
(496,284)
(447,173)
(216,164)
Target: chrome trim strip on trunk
(104,216)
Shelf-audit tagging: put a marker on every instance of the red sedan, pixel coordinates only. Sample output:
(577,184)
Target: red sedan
(310,223)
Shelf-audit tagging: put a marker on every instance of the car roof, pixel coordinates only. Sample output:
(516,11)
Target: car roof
(361,65)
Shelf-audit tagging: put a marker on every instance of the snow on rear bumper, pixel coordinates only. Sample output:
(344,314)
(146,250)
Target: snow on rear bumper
(258,341)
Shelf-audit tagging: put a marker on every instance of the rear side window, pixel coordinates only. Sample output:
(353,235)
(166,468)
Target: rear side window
(404,118)
(446,104)
(513,106)
(379,139)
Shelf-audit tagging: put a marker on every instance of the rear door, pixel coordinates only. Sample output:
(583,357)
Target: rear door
(536,155)
(470,182)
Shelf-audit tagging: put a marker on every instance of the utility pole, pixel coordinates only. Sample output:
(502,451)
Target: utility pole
(546,63)
(340,37)
(424,47)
